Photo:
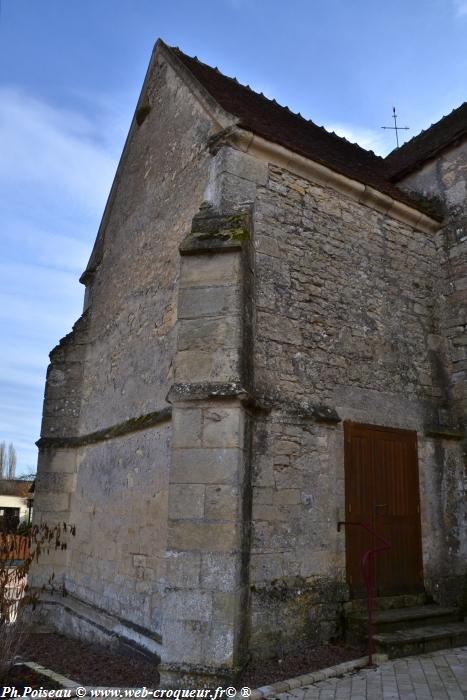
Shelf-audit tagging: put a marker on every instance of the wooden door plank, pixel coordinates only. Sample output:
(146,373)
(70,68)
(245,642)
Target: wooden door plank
(382,489)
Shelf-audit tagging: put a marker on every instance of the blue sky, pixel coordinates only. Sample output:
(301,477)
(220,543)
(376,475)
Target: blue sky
(70,75)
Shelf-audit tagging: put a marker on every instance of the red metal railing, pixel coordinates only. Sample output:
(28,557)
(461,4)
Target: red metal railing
(368,576)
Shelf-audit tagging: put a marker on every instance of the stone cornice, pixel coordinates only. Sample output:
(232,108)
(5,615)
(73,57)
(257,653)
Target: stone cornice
(132,425)
(214,233)
(444,432)
(257,403)
(363,194)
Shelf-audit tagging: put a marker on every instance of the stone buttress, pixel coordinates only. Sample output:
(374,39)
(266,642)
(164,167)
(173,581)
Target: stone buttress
(206,599)
(57,464)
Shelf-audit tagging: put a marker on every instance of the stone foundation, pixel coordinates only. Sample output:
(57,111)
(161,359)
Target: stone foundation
(287,615)
(74,618)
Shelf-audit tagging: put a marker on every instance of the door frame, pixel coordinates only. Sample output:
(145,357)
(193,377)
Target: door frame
(348,425)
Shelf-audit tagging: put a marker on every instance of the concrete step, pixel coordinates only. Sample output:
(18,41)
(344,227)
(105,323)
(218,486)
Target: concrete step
(386,602)
(420,640)
(400,619)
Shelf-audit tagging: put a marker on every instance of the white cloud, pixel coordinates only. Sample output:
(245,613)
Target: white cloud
(460,8)
(56,168)
(370,139)
(53,150)
(53,250)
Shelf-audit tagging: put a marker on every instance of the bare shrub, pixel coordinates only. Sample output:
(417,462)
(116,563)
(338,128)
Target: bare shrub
(17,601)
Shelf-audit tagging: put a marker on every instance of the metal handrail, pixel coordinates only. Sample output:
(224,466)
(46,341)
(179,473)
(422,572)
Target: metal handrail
(368,576)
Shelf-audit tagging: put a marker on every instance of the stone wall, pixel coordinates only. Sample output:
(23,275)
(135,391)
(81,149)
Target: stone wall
(345,320)
(345,287)
(133,292)
(117,557)
(445,178)
(193,420)
(98,468)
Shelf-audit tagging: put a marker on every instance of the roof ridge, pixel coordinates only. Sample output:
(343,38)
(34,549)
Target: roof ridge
(273,101)
(427,143)
(424,131)
(278,124)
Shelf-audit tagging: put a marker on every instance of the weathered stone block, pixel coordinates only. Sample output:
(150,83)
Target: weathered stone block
(186,424)
(231,190)
(226,607)
(56,482)
(267,246)
(223,427)
(219,571)
(218,646)
(207,366)
(262,495)
(52,502)
(286,497)
(222,503)
(207,537)
(186,501)
(183,639)
(274,514)
(139,560)
(209,333)
(210,270)
(243,165)
(235,176)
(63,461)
(279,328)
(198,302)
(206,466)
(188,605)
(183,569)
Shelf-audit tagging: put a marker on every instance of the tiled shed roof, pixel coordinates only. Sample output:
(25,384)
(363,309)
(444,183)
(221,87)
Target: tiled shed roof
(427,144)
(15,487)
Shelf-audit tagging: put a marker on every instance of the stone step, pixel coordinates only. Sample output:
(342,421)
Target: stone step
(400,619)
(386,602)
(420,640)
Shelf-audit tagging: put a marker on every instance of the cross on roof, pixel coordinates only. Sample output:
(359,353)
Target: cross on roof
(395,127)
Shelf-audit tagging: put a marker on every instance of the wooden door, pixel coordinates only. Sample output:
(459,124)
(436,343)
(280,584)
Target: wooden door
(381,485)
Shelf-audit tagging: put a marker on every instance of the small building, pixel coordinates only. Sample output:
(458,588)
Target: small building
(16,497)
(273,340)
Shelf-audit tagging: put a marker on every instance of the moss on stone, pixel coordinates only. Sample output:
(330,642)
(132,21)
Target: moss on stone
(142,112)
(131,425)
(431,205)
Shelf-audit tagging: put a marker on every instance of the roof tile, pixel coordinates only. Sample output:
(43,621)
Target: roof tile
(427,144)
(266,118)
(15,487)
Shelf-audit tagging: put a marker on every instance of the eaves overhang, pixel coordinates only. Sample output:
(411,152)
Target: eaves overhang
(278,155)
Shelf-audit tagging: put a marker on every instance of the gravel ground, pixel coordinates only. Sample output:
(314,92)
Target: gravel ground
(93,664)
(310,659)
(89,664)
(19,677)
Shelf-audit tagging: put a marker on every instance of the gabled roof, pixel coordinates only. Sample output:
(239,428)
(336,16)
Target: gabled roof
(266,118)
(15,487)
(427,144)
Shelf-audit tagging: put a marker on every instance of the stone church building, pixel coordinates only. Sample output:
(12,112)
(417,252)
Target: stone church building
(273,340)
